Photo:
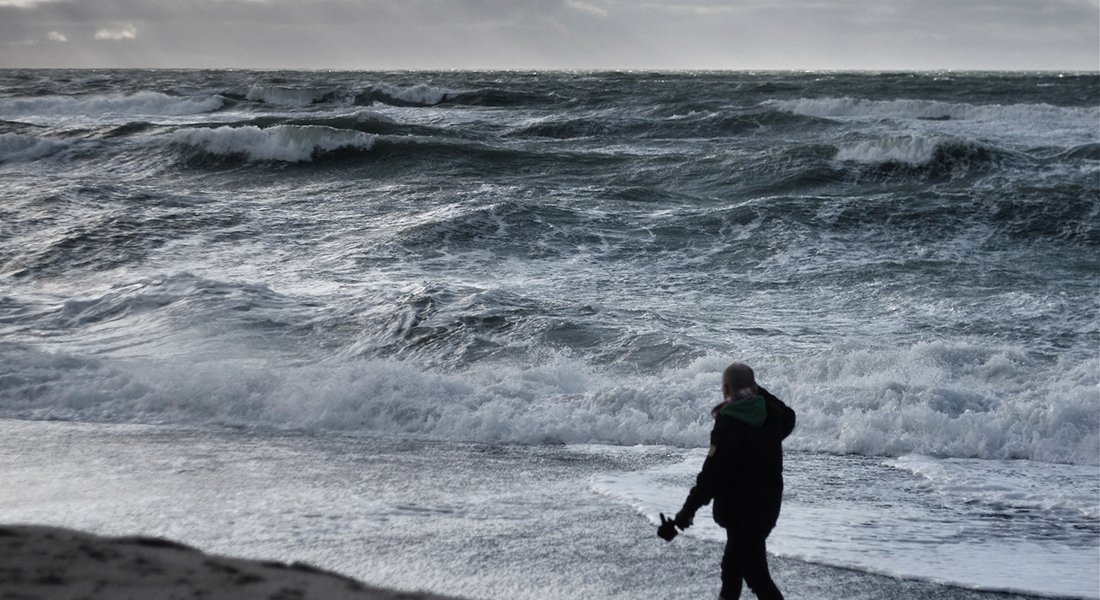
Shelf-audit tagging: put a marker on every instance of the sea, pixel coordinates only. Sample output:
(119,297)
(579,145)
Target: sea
(462,331)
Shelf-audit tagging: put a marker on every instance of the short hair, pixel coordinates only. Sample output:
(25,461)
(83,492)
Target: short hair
(738,376)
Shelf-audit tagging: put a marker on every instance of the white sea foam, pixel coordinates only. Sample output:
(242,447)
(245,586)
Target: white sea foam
(984,408)
(910,150)
(553,403)
(417,94)
(136,105)
(17,148)
(287,143)
(945,399)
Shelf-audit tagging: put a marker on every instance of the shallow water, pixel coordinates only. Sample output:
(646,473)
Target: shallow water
(499,521)
(991,525)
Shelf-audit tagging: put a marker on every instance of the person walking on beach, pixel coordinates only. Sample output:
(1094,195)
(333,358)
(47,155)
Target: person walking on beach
(743,474)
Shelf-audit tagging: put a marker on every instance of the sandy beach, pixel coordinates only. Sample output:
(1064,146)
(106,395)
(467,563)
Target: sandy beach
(52,563)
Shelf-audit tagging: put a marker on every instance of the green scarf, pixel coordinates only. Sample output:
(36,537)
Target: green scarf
(751,412)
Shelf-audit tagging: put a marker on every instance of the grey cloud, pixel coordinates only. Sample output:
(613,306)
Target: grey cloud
(122,32)
(860,34)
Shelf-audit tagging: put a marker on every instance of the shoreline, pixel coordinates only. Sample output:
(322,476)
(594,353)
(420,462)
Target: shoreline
(461,520)
(56,563)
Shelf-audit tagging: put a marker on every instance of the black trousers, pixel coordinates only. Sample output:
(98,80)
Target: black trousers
(746,559)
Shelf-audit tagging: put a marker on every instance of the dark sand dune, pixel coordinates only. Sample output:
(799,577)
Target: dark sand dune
(51,563)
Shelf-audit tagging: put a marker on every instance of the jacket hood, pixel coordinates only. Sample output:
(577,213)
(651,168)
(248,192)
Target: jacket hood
(751,412)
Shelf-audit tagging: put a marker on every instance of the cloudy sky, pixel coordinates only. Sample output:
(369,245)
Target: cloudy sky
(553,34)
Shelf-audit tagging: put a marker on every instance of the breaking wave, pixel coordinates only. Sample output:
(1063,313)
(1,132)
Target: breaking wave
(17,148)
(948,400)
(288,96)
(138,104)
(928,155)
(417,95)
(936,399)
(286,143)
(426,95)
(909,150)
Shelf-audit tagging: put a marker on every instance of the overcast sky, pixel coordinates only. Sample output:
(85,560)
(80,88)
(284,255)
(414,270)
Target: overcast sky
(553,34)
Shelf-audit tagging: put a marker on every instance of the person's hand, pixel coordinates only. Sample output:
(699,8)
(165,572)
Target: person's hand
(684,519)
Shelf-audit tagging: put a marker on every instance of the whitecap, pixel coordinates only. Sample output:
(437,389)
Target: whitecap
(139,104)
(911,150)
(288,143)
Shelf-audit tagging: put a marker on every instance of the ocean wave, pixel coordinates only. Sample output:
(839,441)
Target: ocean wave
(286,96)
(926,157)
(919,150)
(364,121)
(403,146)
(496,97)
(659,125)
(947,400)
(285,143)
(428,95)
(417,95)
(935,399)
(906,149)
(932,110)
(155,295)
(1082,152)
(20,148)
(139,104)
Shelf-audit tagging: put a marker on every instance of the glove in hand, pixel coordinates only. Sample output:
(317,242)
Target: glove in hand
(667,530)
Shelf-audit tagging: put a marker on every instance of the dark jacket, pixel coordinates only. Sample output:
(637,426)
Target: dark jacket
(743,472)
